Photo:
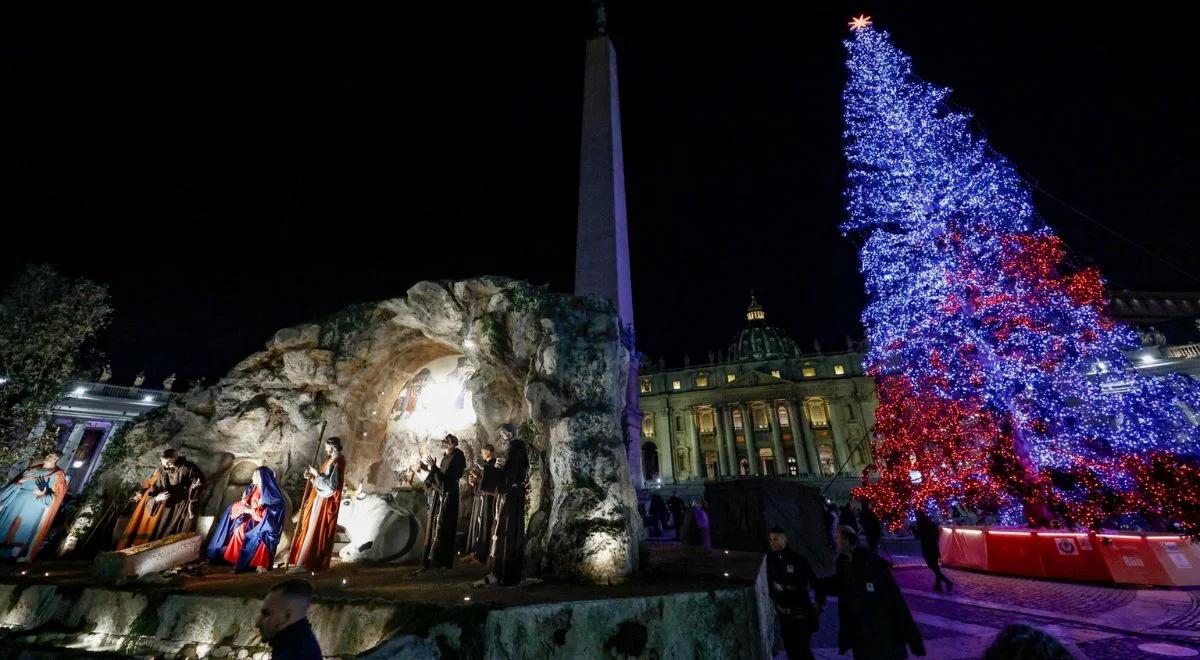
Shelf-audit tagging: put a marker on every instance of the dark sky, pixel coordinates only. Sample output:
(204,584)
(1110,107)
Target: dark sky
(233,170)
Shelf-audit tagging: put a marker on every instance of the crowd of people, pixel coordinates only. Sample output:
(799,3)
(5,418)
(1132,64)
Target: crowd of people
(873,617)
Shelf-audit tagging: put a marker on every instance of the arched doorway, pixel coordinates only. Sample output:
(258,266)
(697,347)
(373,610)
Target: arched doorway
(650,462)
(766,462)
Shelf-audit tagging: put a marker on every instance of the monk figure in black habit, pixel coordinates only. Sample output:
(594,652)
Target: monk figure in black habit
(442,526)
(483,510)
(507,482)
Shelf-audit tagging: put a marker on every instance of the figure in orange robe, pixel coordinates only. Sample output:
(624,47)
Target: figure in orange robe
(312,546)
(28,506)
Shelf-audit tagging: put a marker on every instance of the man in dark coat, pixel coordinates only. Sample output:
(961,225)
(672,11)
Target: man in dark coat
(441,528)
(483,510)
(658,514)
(871,526)
(927,533)
(873,618)
(508,483)
(789,579)
(283,622)
(676,505)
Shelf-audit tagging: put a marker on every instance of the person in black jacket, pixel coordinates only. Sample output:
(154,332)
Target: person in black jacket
(927,533)
(789,579)
(873,619)
(676,504)
(283,621)
(871,526)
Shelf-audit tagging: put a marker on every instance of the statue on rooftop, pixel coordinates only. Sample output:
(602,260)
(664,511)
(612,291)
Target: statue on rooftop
(139,379)
(169,382)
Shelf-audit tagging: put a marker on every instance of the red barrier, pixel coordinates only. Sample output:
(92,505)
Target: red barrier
(1119,557)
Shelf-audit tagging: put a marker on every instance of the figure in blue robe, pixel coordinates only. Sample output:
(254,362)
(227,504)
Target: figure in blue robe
(248,532)
(28,506)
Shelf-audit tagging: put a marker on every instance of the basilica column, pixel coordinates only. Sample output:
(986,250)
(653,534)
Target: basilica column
(666,453)
(841,448)
(693,430)
(731,440)
(803,440)
(748,429)
(776,439)
(719,434)
(68,450)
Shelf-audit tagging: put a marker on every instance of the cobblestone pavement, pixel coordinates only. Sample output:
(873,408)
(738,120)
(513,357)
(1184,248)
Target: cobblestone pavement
(1093,621)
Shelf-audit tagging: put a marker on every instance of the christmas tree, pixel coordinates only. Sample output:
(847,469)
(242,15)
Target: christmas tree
(1001,378)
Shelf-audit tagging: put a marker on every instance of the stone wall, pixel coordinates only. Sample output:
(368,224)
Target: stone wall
(722,623)
(551,363)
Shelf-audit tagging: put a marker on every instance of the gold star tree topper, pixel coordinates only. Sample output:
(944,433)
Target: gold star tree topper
(860,22)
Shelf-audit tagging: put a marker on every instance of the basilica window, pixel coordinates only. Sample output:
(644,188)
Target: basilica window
(702,380)
(683,463)
(760,417)
(678,423)
(792,469)
(706,421)
(676,385)
(818,413)
(648,425)
(729,378)
(808,371)
(646,387)
(711,465)
(650,461)
(825,457)
(737,420)
(839,370)
(784,420)
(775,373)
(744,467)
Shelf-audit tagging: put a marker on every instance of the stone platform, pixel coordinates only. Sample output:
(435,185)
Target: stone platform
(686,602)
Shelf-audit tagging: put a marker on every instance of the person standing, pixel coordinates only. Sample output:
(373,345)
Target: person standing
(871,526)
(847,518)
(283,622)
(165,502)
(789,580)
(676,505)
(873,619)
(312,546)
(248,532)
(28,506)
(658,514)
(927,532)
(508,483)
(483,510)
(441,527)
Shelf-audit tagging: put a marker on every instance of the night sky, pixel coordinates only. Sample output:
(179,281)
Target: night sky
(233,170)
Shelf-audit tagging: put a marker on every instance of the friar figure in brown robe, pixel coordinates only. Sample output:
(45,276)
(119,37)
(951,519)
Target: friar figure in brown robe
(166,502)
(483,510)
(508,483)
(441,528)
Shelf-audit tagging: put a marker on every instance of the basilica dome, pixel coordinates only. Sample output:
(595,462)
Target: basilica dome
(760,341)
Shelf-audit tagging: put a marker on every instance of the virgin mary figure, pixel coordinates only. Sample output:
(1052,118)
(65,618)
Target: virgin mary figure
(249,530)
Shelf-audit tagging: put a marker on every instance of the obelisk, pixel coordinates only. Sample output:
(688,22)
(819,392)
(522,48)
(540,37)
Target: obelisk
(602,241)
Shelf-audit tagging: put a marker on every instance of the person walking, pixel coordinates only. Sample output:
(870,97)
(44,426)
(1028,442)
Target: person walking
(927,533)
(873,619)
(871,526)
(283,621)
(789,580)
